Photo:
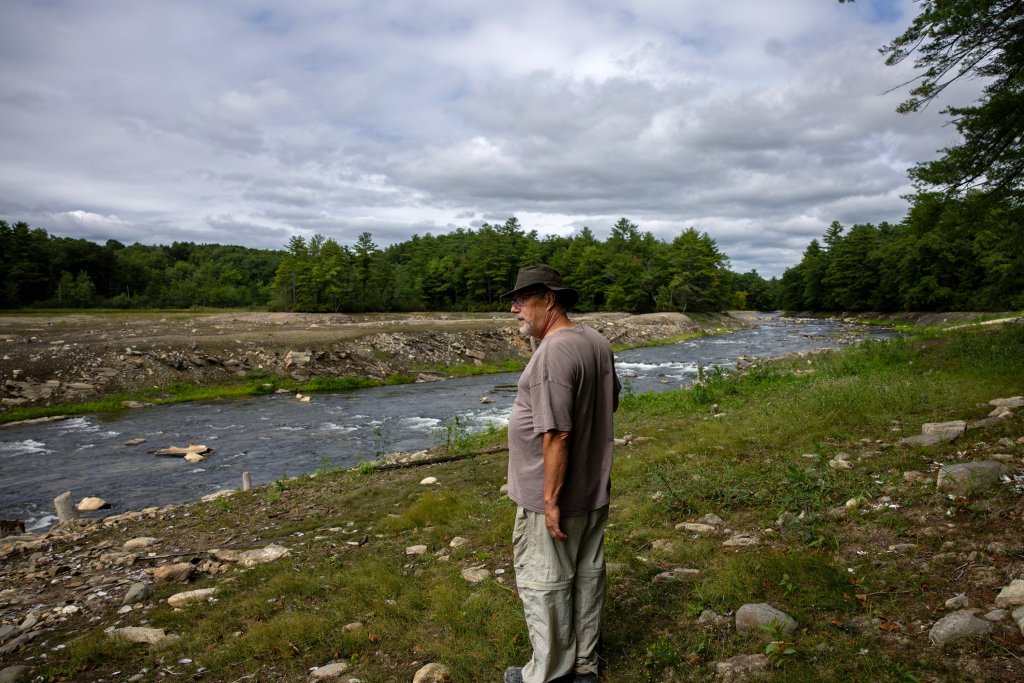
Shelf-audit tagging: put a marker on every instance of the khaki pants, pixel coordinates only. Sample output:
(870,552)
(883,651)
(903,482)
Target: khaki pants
(562,586)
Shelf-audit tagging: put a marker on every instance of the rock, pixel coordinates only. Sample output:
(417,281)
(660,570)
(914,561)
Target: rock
(416,550)
(251,558)
(960,601)
(741,668)
(741,540)
(959,624)
(458,542)
(138,592)
(199,449)
(712,519)
(134,442)
(695,527)
(135,404)
(10,674)
(678,574)
(332,670)
(65,508)
(297,359)
(947,431)
(661,544)
(712,618)
(428,481)
(223,493)
(11,527)
(139,542)
(91,504)
(1018,616)
(475,574)
(1000,412)
(752,616)
(190,597)
(995,615)
(486,399)
(1012,595)
(354,626)
(922,440)
(838,464)
(913,476)
(970,477)
(180,572)
(140,634)
(1012,402)
(194,457)
(433,673)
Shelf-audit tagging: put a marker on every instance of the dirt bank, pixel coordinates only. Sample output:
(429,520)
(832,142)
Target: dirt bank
(50,359)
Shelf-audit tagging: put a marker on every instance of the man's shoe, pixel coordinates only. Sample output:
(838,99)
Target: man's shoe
(514,674)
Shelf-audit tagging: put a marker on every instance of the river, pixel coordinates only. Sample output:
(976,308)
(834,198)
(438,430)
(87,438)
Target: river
(277,436)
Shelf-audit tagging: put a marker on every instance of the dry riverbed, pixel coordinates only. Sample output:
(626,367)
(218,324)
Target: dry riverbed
(47,360)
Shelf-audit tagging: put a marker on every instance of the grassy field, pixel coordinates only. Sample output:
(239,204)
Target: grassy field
(753,449)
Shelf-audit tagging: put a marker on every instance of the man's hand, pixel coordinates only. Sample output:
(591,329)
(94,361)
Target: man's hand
(552,519)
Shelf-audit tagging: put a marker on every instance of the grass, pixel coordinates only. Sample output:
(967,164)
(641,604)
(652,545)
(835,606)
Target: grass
(761,457)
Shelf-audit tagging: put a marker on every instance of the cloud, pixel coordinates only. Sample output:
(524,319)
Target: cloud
(759,123)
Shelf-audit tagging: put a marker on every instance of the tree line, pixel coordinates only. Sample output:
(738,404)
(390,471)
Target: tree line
(950,253)
(465,270)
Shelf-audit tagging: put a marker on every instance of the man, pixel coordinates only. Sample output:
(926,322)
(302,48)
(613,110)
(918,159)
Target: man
(559,474)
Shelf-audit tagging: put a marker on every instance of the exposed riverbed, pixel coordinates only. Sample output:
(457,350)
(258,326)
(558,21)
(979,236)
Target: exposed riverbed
(276,436)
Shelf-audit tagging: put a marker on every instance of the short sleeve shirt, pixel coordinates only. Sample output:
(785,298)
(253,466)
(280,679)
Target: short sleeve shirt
(569,385)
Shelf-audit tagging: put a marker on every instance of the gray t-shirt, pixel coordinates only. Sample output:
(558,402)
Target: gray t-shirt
(569,385)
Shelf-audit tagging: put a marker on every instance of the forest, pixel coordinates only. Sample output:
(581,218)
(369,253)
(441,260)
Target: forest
(948,253)
(465,270)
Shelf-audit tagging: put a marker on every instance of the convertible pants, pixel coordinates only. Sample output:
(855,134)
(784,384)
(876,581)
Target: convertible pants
(561,584)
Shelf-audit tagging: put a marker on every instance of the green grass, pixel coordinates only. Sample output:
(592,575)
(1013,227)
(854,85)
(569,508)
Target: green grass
(748,464)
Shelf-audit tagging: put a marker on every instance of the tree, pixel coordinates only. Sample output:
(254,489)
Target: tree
(953,40)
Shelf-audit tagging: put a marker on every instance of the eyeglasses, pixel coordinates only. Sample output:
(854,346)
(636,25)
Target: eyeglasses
(520,299)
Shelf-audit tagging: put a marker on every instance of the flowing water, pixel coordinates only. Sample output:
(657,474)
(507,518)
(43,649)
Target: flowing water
(276,436)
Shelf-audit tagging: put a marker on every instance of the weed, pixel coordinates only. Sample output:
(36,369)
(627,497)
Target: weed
(452,435)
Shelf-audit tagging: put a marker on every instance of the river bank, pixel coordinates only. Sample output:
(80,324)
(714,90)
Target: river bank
(796,484)
(78,358)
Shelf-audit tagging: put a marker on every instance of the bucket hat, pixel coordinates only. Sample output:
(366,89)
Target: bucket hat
(545,276)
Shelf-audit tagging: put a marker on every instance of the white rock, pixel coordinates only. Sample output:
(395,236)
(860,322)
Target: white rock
(433,673)
(140,542)
(251,558)
(960,601)
(190,597)
(332,670)
(970,477)
(741,540)
(428,481)
(1012,595)
(1018,616)
(1012,402)
(475,574)
(695,527)
(91,504)
(194,457)
(838,464)
(458,542)
(416,550)
(141,634)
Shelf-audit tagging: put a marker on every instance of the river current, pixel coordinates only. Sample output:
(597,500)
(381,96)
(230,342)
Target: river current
(276,436)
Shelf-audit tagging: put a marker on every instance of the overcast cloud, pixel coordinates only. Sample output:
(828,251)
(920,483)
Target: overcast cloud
(242,122)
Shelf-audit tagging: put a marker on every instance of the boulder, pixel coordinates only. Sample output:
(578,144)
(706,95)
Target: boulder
(947,431)
(139,542)
(1012,402)
(91,504)
(190,597)
(140,634)
(328,671)
(137,593)
(433,673)
(1012,595)
(10,674)
(960,624)
(65,508)
(180,572)
(970,477)
(752,616)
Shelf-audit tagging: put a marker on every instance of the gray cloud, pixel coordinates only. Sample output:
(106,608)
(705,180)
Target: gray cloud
(758,123)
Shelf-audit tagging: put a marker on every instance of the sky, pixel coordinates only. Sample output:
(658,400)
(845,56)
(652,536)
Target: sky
(249,122)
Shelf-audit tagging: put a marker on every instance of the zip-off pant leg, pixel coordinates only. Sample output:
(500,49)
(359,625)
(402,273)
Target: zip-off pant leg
(562,585)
